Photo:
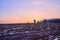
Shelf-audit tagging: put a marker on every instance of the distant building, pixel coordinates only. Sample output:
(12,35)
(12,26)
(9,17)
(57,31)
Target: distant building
(34,21)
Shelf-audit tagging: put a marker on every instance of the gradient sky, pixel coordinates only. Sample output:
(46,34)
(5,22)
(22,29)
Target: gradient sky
(15,11)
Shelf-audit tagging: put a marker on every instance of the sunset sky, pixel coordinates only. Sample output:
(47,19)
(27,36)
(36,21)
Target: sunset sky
(21,11)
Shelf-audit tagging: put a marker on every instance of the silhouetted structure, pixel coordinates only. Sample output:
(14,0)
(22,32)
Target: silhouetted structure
(34,21)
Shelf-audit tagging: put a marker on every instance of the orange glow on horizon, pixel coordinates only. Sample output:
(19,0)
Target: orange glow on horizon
(24,20)
(21,20)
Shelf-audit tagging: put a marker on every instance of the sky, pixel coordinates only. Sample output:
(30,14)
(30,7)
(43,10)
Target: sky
(22,11)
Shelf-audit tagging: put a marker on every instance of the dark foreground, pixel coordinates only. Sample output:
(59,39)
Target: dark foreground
(44,30)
